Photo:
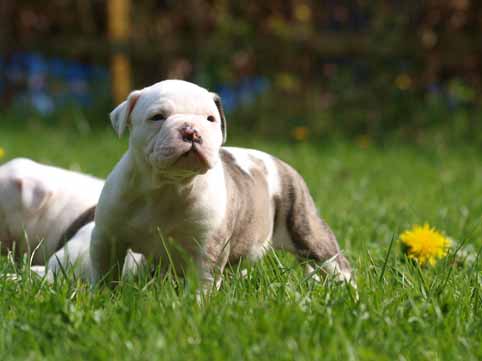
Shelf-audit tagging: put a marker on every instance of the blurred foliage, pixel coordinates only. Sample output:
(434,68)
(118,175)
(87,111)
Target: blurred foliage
(356,67)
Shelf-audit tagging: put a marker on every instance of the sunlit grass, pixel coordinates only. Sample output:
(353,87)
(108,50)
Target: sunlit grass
(368,195)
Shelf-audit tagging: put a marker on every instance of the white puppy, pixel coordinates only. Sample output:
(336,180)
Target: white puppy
(48,212)
(177,196)
(42,207)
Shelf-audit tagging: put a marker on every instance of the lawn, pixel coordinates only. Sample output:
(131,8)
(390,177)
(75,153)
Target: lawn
(368,194)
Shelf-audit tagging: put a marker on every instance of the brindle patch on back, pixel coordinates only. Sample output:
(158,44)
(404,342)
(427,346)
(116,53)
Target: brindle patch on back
(86,217)
(249,222)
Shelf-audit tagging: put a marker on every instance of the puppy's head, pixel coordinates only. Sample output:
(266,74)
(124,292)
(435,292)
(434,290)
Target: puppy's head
(176,127)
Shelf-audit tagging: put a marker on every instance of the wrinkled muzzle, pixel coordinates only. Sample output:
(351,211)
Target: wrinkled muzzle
(185,145)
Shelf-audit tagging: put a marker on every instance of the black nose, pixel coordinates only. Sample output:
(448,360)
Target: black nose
(190,134)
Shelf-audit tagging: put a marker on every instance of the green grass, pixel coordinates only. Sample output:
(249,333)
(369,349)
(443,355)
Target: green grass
(367,196)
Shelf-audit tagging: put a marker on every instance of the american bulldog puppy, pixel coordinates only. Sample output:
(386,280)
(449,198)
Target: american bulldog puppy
(48,213)
(178,197)
(42,207)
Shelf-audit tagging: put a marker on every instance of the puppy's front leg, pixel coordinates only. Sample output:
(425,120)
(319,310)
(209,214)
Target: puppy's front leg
(107,256)
(211,262)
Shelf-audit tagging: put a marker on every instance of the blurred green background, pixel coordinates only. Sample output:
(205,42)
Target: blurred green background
(376,103)
(373,71)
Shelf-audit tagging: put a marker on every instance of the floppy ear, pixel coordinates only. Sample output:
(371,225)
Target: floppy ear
(33,195)
(120,116)
(219,105)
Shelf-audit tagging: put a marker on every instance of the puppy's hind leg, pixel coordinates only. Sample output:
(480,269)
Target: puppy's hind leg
(300,230)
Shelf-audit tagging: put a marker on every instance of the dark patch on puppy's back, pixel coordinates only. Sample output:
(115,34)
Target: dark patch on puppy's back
(85,218)
(248,219)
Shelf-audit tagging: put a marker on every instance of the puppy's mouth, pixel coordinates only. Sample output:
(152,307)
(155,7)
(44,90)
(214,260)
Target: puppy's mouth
(186,158)
(196,152)
(193,159)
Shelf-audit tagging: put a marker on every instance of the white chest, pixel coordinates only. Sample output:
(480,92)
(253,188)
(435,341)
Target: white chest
(154,220)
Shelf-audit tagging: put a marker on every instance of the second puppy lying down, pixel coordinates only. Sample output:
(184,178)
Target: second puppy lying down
(47,213)
(41,207)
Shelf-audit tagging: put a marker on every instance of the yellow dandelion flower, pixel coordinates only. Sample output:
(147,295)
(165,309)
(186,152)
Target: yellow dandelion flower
(425,244)
(288,82)
(303,13)
(403,82)
(2,152)
(300,133)
(363,141)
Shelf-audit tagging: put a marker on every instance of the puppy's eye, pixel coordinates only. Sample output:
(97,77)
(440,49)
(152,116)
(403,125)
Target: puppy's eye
(211,118)
(158,117)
